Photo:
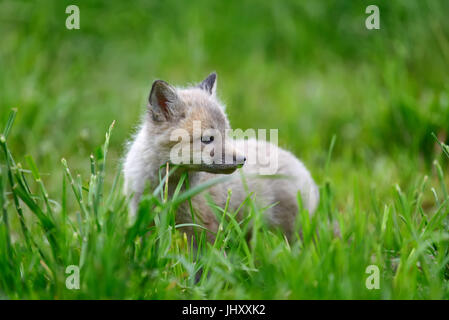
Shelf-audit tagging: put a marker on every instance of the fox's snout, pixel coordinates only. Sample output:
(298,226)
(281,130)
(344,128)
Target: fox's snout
(239,159)
(231,156)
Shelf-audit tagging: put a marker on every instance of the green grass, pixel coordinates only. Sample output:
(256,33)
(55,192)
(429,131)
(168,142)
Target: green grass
(152,258)
(310,69)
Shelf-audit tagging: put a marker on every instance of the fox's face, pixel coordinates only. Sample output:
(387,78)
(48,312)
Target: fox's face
(189,127)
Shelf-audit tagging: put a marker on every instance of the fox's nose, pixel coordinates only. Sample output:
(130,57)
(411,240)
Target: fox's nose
(239,159)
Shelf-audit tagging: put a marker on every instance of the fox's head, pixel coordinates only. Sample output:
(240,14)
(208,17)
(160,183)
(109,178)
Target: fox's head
(189,127)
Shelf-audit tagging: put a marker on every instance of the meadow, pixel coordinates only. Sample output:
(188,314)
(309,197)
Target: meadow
(367,111)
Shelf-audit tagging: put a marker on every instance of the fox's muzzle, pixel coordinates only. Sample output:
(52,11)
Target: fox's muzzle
(225,166)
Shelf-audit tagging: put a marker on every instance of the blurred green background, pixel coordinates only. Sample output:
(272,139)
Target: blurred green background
(309,68)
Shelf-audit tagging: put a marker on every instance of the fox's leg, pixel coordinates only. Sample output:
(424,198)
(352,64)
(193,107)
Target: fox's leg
(134,187)
(134,204)
(203,215)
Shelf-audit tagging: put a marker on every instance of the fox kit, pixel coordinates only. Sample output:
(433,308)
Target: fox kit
(173,112)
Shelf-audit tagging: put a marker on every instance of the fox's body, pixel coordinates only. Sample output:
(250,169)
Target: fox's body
(170,109)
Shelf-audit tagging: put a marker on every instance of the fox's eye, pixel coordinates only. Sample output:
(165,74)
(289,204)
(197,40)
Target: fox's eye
(207,140)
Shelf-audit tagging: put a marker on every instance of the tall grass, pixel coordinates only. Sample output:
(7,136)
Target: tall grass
(309,68)
(150,257)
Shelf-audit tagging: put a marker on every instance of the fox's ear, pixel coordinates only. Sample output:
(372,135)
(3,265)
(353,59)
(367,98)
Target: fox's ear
(162,100)
(209,84)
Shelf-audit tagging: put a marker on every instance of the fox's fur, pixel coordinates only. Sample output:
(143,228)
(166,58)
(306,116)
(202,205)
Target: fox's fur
(171,108)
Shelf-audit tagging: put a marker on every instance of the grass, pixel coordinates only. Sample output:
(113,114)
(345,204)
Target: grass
(358,107)
(153,259)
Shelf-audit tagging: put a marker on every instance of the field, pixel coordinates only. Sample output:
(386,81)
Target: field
(367,111)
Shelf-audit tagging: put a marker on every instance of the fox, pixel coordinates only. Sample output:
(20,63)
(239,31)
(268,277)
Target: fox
(179,109)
